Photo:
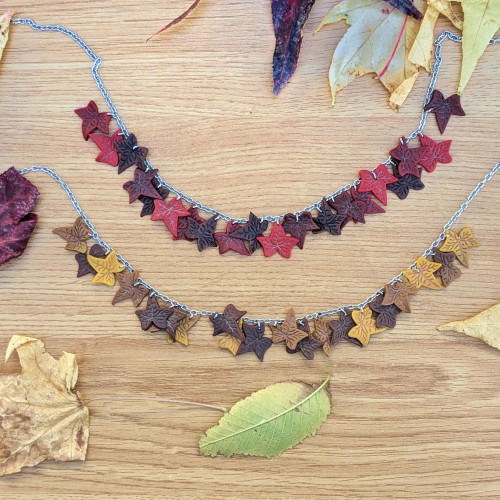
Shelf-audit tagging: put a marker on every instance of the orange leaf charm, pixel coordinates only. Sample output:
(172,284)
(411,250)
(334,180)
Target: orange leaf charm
(288,331)
(106,268)
(75,235)
(423,275)
(398,294)
(365,326)
(459,244)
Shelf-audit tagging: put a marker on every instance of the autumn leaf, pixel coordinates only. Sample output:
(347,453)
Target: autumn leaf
(4,30)
(269,421)
(42,417)
(484,326)
(368,45)
(481,22)
(177,20)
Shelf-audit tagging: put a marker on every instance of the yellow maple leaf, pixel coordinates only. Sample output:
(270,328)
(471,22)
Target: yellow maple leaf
(459,244)
(365,326)
(106,268)
(423,274)
(42,417)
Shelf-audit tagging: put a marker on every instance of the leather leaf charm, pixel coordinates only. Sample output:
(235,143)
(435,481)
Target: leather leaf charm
(409,158)
(386,315)
(227,322)
(92,119)
(153,314)
(106,268)
(228,242)
(181,332)
(84,267)
(459,244)
(107,145)
(444,108)
(398,294)
(202,232)
(131,154)
(288,331)
(277,241)
(230,343)
(365,326)
(423,275)
(448,271)
(298,226)
(351,210)
(251,231)
(439,152)
(76,235)
(376,182)
(142,185)
(169,213)
(327,220)
(127,290)
(254,341)
(401,188)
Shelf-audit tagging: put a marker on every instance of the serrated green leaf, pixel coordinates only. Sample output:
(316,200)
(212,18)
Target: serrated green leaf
(269,421)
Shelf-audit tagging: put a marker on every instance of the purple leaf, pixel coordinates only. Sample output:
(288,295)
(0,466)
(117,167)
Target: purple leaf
(406,7)
(289,17)
(17,197)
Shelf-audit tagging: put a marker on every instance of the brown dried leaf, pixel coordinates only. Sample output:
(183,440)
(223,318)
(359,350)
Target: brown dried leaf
(42,417)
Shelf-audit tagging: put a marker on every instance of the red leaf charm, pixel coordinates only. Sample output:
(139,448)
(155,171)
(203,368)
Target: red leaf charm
(141,185)
(370,206)
(17,197)
(277,241)
(351,210)
(289,16)
(439,153)
(92,119)
(227,242)
(410,158)
(182,223)
(444,108)
(107,145)
(376,182)
(298,226)
(169,213)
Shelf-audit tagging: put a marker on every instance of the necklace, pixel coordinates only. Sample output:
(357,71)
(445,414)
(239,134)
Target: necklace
(245,235)
(355,323)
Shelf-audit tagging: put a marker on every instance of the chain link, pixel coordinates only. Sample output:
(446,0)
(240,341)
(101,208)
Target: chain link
(221,215)
(316,315)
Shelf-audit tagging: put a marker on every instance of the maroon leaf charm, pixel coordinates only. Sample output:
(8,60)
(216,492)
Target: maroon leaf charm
(92,119)
(107,145)
(173,321)
(327,220)
(202,232)
(251,231)
(410,158)
(289,16)
(84,267)
(228,322)
(182,223)
(148,203)
(169,213)
(131,154)
(370,206)
(406,7)
(141,185)
(227,242)
(17,197)
(298,226)
(307,347)
(376,182)
(444,108)
(254,341)
(154,315)
(277,241)
(351,210)
(439,152)
(403,185)
(386,314)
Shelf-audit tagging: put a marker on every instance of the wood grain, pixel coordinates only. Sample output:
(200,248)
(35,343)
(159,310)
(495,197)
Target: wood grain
(415,415)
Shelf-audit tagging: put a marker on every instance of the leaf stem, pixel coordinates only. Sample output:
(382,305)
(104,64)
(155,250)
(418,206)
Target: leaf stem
(158,400)
(386,67)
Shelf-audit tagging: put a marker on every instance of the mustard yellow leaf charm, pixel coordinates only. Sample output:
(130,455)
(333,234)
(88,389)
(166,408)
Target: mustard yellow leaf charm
(365,326)
(484,326)
(459,244)
(423,275)
(4,30)
(230,343)
(106,268)
(181,332)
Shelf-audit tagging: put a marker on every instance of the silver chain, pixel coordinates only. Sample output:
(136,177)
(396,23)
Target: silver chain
(320,314)
(220,215)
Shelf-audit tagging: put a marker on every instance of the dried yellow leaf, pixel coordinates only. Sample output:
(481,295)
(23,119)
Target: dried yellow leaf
(484,326)
(42,417)
(4,30)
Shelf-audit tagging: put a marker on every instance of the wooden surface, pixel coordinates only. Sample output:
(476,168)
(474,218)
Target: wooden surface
(415,414)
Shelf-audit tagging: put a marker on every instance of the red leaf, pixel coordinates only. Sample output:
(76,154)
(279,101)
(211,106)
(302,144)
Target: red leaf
(439,153)
(410,158)
(169,213)
(107,145)
(444,108)
(227,242)
(177,19)
(376,182)
(92,119)
(17,197)
(277,241)
(142,185)
(289,16)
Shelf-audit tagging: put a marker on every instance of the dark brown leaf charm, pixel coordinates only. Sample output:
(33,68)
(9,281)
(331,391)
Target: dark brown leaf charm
(84,267)
(149,202)
(154,315)
(448,271)
(401,188)
(341,328)
(386,314)
(254,341)
(202,232)
(251,231)
(298,226)
(228,322)
(173,321)
(327,220)
(351,210)
(127,290)
(131,154)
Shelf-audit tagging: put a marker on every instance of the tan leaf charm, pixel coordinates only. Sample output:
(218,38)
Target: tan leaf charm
(129,289)
(323,333)
(42,417)
(459,244)
(365,326)
(398,294)
(106,268)
(181,332)
(75,235)
(484,326)
(423,275)
(288,331)
(230,343)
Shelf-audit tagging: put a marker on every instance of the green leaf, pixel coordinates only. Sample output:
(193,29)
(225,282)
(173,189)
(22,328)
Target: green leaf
(269,421)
